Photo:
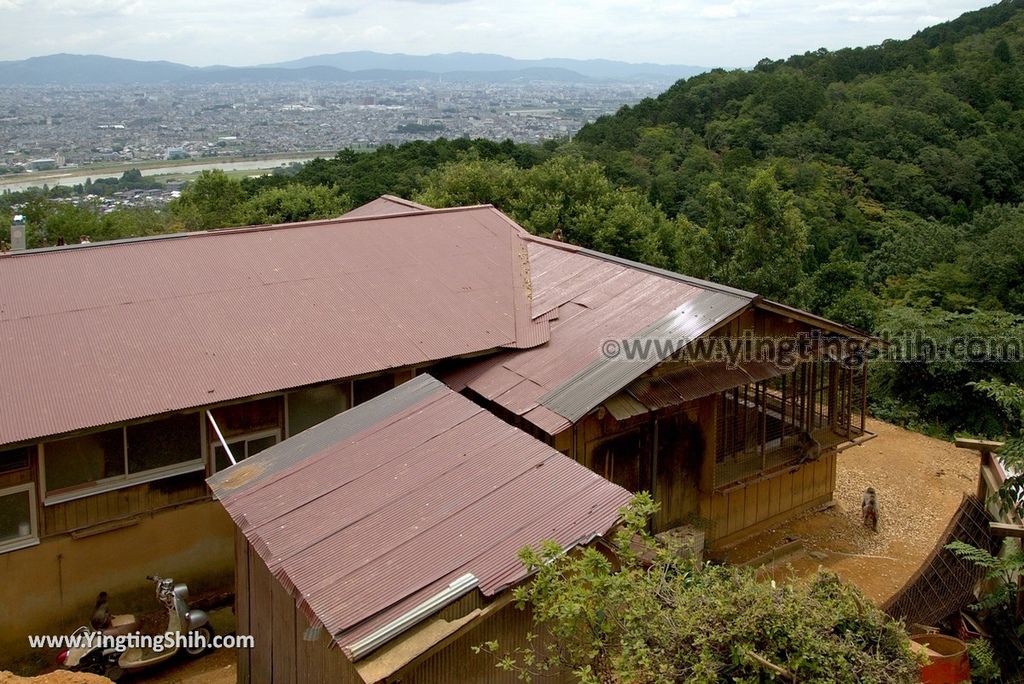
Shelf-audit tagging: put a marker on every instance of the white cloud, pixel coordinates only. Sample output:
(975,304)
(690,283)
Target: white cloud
(712,33)
(729,11)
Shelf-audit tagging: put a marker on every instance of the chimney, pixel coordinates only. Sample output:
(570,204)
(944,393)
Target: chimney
(18,233)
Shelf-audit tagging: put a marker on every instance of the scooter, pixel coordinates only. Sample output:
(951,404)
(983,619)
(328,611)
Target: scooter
(98,652)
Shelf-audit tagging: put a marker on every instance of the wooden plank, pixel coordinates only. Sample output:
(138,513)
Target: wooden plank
(774,496)
(719,515)
(785,492)
(749,505)
(763,499)
(735,518)
(242,603)
(1006,530)
(284,635)
(982,445)
(261,620)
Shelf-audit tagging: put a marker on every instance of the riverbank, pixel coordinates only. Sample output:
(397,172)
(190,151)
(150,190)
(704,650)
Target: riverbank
(154,167)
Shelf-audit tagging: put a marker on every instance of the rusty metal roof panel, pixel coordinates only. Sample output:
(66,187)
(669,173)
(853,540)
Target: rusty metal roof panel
(384,205)
(108,332)
(589,298)
(692,381)
(367,514)
(547,420)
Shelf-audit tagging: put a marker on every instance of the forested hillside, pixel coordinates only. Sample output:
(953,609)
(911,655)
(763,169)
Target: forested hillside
(879,186)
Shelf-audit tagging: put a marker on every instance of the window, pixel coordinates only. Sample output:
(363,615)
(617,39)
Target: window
(308,407)
(787,420)
(83,461)
(15,459)
(368,388)
(101,461)
(164,443)
(242,447)
(618,460)
(18,517)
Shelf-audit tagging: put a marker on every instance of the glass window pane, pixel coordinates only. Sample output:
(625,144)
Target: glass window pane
(83,460)
(308,407)
(15,516)
(250,417)
(163,443)
(15,459)
(368,388)
(255,446)
(220,457)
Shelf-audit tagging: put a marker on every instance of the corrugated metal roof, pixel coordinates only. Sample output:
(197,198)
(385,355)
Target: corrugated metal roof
(108,332)
(590,297)
(692,381)
(368,514)
(386,204)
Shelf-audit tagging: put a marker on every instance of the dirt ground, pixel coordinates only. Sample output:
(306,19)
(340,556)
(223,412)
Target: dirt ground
(920,482)
(60,677)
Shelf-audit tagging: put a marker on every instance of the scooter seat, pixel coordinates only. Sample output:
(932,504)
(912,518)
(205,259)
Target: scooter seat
(121,624)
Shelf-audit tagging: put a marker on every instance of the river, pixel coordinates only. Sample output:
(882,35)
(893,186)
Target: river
(76,176)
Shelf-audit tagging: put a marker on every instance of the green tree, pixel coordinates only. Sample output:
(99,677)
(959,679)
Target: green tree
(623,620)
(292,203)
(771,244)
(210,201)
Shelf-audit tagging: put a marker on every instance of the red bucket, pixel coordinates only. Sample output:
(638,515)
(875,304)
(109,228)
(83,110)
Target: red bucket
(948,662)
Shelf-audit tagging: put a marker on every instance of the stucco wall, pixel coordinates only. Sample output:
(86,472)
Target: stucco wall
(52,587)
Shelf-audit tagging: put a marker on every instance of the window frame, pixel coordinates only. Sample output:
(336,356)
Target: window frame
(33,518)
(115,482)
(245,436)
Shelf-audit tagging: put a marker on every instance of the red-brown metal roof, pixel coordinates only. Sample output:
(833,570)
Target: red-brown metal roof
(386,204)
(108,332)
(364,517)
(589,298)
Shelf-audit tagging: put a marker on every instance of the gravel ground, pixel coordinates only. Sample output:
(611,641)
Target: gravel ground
(61,677)
(920,482)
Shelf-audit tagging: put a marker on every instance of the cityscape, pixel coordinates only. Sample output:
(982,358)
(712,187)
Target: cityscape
(48,127)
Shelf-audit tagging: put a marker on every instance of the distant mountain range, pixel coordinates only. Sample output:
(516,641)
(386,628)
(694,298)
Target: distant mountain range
(65,69)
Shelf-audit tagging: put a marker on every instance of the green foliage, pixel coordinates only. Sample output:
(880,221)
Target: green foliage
(932,367)
(622,620)
(984,667)
(292,203)
(210,201)
(1009,398)
(1001,569)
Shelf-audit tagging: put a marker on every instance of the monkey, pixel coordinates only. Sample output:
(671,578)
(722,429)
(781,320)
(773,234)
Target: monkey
(869,509)
(810,450)
(101,616)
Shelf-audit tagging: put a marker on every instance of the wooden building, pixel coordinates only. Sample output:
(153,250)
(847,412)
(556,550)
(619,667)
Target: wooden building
(381,545)
(728,408)
(131,368)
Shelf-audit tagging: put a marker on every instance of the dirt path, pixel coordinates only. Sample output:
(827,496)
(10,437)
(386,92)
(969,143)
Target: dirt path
(920,482)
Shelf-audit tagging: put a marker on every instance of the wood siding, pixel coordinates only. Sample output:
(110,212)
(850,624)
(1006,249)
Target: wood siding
(282,654)
(734,513)
(122,504)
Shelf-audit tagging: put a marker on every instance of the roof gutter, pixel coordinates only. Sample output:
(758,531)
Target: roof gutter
(389,631)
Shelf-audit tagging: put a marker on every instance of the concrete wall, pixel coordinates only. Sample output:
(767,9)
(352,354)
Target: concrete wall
(51,588)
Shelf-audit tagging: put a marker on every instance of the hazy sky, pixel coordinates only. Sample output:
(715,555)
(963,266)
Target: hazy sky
(236,32)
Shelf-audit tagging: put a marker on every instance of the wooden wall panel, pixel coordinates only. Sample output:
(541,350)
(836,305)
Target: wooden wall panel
(242,575)
(261,620)
(122,503)
(746,509)
(285,640)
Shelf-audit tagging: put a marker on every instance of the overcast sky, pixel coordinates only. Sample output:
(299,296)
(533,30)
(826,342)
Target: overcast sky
(732,33)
